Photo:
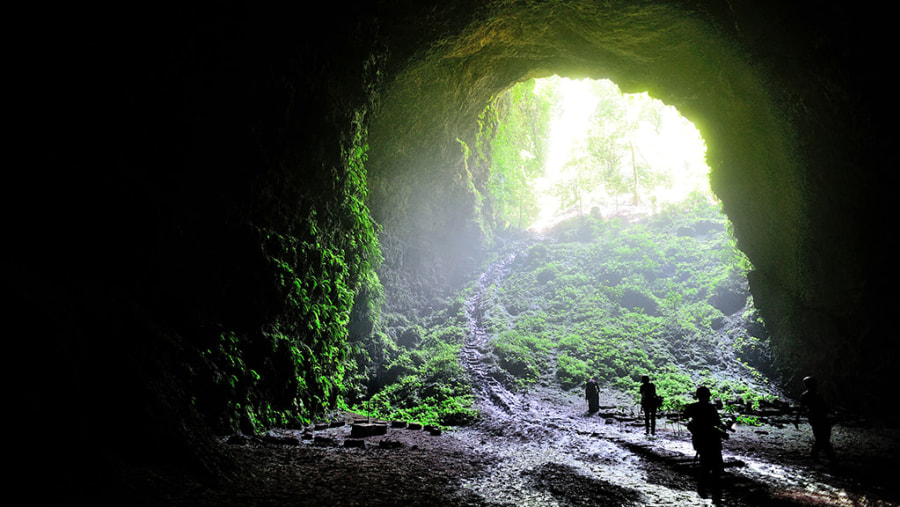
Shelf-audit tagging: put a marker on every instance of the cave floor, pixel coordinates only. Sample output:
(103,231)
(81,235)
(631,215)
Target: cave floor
(549,454)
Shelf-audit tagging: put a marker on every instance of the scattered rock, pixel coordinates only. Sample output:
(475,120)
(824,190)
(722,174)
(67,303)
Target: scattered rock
(277,440)
(323,441)
(237,440)
(362,430)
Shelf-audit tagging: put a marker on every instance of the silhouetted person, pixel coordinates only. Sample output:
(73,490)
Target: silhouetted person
(592,393)
(813,405)
(707,432)
(649,404)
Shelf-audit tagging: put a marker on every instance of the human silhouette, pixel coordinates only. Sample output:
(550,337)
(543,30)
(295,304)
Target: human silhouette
(592,394)
(649,404)
(707,433)
(816,409)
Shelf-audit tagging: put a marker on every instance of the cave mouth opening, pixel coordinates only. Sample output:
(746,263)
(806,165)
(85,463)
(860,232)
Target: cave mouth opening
(513,166)
(429,196)
(642,172)
(571,146)
(433,199)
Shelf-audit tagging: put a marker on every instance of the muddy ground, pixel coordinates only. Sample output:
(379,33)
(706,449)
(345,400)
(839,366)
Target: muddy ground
(551,454)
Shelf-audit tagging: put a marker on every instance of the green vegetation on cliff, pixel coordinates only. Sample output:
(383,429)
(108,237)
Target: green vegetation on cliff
(415,371)
(321,267)
(665,295)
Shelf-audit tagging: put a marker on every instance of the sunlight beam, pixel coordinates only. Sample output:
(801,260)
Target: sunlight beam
(672,146)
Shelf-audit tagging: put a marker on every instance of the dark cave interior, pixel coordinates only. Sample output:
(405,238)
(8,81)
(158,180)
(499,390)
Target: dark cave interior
(155,137)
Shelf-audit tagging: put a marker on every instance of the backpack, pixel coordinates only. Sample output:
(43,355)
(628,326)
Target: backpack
(649,398)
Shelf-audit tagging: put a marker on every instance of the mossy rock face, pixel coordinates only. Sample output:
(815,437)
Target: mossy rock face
(410,337)
(728,301)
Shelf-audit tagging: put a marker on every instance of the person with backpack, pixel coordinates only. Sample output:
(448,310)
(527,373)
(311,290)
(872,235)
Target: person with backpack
(707,432)
(649,404)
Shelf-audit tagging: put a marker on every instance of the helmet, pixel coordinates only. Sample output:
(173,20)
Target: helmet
(809,382)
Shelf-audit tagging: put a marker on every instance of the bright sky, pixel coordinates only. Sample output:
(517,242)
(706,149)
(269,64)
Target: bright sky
(678,147)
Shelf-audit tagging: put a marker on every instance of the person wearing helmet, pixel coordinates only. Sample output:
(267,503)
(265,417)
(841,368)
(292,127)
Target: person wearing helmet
(813,405)
(707,432)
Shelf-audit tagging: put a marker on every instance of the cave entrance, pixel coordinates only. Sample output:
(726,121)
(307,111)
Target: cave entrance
(433,199)
(566,147)
(633,268)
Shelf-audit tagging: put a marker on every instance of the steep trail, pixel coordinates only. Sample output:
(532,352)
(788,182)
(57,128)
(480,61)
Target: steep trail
(496,399)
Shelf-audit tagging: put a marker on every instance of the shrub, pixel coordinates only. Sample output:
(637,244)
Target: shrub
(521,355)
(546,274)
(570,371)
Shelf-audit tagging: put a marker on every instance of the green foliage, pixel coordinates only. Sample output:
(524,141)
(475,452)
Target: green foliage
(634,299)
(321,258)
(626,149)
(570,371)
(422,380)
(522,355)
(617,302)
(749,420)
(513,134)
(598,157)
(430,388)
(242,371)
(675,386)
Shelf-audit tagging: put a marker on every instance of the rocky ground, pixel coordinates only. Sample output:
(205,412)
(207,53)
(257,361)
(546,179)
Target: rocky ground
(550,454)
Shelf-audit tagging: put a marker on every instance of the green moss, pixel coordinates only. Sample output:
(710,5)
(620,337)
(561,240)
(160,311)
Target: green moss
(525,356)
(425,383)
(634,300)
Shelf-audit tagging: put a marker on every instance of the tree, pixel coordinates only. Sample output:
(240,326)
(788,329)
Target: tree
(579,178)
(518,152)
(602,151)
(609,149)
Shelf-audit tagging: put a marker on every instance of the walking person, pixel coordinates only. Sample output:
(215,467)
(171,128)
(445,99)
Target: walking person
(816,409)
(707,433)
(649,404)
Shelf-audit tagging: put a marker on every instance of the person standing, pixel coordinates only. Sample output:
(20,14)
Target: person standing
(649,404)
(813,405)
(707,432)
(592,393)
